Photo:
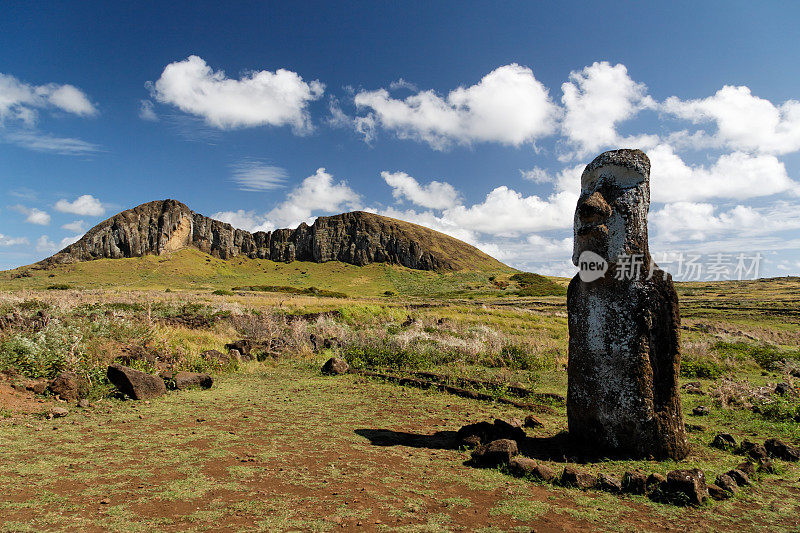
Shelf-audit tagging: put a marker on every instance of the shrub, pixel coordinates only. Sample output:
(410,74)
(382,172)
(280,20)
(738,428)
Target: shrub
(535,285)
(765,355)
(58,287)
(222,292)
(701,368)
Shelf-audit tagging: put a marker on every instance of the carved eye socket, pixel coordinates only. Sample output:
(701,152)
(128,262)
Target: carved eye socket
(611,176)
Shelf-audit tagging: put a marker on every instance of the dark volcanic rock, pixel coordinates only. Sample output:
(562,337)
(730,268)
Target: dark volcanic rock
(781,450)
(187,380)
(727,482)
(608,483)
(747,467)
(67,385)
(718,493)
(573,477)
(495,453)
(544,472)
(634,482)
(687,486)
(724,441)
(521,466)
(739,477)
(136,384)
(753,450)
(335,366)
(358,238)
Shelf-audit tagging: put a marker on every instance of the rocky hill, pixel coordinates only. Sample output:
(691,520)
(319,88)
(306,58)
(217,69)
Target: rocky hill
(358,238)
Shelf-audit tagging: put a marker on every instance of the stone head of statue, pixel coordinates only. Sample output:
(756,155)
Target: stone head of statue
(611,216)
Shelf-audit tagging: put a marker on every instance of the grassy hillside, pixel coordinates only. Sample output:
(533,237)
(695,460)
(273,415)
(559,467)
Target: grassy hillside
(191,269)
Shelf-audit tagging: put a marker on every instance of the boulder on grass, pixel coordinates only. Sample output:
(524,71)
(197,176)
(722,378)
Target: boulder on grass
(753,450)
(216,356)
(608,483)
(67,385)
(135,383)
(724,441)
(726,482)
(335,366)
(495,453)
(781,450)
(544,472)
(687,486)
(532,422)
(521,466)
(187,380)
(739,477)
(573,477)
(634,482)
(718,493)
(747,467)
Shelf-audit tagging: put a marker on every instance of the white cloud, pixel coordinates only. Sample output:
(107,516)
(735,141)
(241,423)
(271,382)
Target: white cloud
(85,204)
(33,215)
(246,220)
(20,100)
(744,121)
(317,192)
(596,99)
(43,142)
(147,111)
(509,106)
(737,175)
(77,226)
(536,175)
(12,241)
(545,248)
(45,245)
(66,241)
(252,175)
(259,98)
(434,195)
(402,84)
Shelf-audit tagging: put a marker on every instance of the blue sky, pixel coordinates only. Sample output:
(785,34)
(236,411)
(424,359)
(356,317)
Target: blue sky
(472,118)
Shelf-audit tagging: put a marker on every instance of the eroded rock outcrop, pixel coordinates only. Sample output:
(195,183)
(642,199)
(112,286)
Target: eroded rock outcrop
(358,238)
(624,356)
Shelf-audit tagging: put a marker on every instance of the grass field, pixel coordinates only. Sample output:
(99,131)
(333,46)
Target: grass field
(274,445)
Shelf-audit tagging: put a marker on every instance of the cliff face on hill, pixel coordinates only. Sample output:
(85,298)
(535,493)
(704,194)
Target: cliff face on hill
(358,238)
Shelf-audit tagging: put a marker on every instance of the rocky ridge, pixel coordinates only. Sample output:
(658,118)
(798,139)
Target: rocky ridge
(358,238)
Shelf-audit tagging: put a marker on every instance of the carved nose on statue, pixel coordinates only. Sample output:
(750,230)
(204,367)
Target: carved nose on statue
(594,209)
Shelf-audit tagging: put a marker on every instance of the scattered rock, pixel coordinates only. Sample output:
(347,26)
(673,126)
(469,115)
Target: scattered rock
(187,380)
(216,356)
(105,501)
(335,366)
(726,482)
(135,383)
(718,493)
(695,384)
(532,422)
(783,389)
(608,483)
(242,346)
(781,450)
(475,434)
(634,482)
(768,466)
(701,410)
(753,450)
(37,387)
(724,441)
(508,429)
(747,467)
(655,481)
(739,477)
(695,390)
(544,472)
(495,453)
(521,466)
(687,486)
(573,477)
(471,441)
(235,355)
(59,412)
(83,403)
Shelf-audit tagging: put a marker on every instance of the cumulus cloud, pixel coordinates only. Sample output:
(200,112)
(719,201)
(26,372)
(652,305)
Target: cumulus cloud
(317,192)
(744,121)
(85,204)
(147,111)
(595,100)
(509,106)
(5,240)
(737,175)
(253,175)
(434,195)
(246,220)
(259,98)
(45,245)
(77,226)
(21,101)
(33,215)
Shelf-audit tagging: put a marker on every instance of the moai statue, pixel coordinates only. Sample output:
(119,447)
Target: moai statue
(624,340)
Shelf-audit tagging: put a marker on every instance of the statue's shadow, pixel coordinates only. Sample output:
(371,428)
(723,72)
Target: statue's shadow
(557,448)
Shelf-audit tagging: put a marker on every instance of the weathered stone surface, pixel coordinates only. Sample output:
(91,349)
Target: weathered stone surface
(574,477)
(544,472)
(187,380)
(67,385)
(135,383)
(215,356)
(753,450)
(511,429)
(634,482)
(739,477)
(358,238)
(335,366)
(718,493)
(781,450)
(59,412)
(608,483)
(495,453)
(687,486)
(654,481)
(475,434)
(521,466)
(724,441)
(766,465)
(747,467)
(624,343)
(701,410)
(727,482)
(531,421)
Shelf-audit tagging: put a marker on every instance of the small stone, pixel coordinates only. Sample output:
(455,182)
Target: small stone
(767,465)
(726,482)
(67,385)
(739,477)
(573,477)
(471,441)
(84,403)
(753,450)
(747,467)
(701,410)
(544,472)
(654,481)
(687,486)
(781,450)
(532,422)
(335,366)
(521,466)
(495,453)
(783,389)
(608,483)
(718,493)
(695,390)
(472,435)
(59,412)
(135,383)
(634,482)
(724,441)
(105,501)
